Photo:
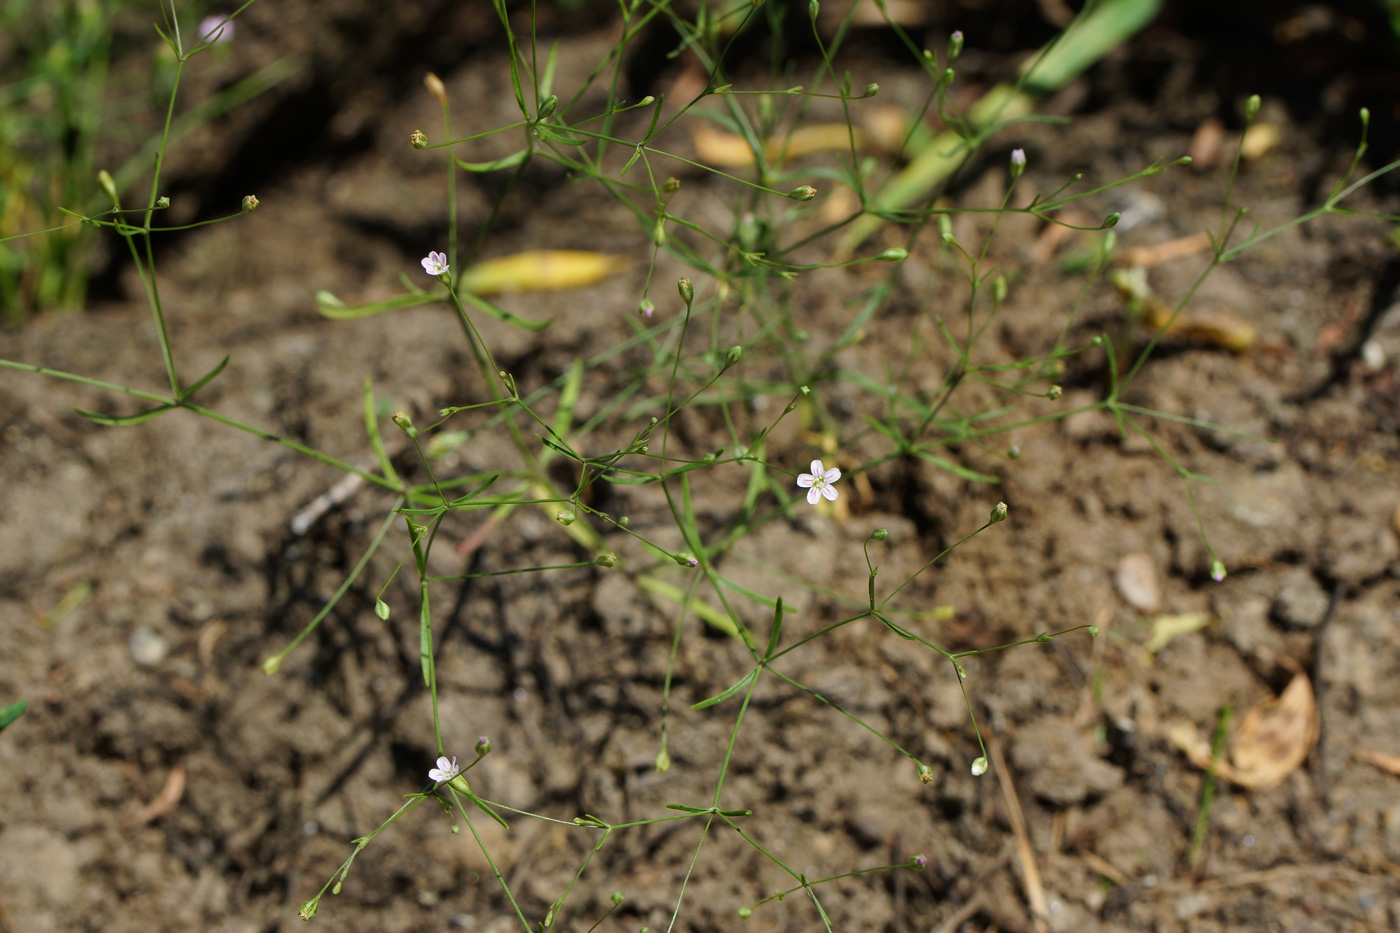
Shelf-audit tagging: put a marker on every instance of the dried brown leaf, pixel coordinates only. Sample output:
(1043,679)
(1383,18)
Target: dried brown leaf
(1271,743)
(1388,763)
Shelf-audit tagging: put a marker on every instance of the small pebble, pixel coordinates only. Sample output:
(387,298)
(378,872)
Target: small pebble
(146,647)
(1136,580)
(1300,602)
(1373,355)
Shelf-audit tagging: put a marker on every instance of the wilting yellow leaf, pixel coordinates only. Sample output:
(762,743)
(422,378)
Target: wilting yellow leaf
(540,270)
(726,150)
(1271,743)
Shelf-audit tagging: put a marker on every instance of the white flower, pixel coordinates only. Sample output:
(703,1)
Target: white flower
(445,770)
(211,24)
(819,482)
(435,263)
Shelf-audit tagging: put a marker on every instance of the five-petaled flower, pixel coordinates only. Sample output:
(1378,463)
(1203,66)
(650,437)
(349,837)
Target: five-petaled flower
(819,482)
(446,770)
(435,263)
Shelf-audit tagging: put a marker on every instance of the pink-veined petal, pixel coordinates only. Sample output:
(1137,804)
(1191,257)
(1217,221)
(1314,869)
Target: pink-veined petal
(805,479)
(813,495)
(817,468)
(829,492)
(832,475)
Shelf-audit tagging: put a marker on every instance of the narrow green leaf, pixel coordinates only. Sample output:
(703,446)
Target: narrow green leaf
(122,421)
(776,630)
(481,805)
(12,712)
(205,379)
(556,134)
(501,314)
(898,630)
(510,161)
(557,447)
(337,310)
(956,469)
(727,692)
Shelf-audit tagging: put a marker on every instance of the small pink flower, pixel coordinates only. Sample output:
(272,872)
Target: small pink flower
(820,482)
(446,770)
(435,264)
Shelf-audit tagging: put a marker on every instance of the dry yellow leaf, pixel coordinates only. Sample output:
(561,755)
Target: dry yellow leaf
(539,270)
(1165,629)
(1259,139)
(726,150)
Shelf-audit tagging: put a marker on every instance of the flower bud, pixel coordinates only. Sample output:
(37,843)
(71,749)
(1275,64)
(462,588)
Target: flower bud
(893,254)
(685,559)
(671,185)
(803,193)
(483,747)
(979,766)
(565,517)
(925,774)
(999,289)
(381,609)
(1054,393)
(734,355)
(998,513)
(401,419)
(1217,571)
(1251,108)
(955,45)
(645,307)
(250,203)
(880,534)
(658,234)
(548,106)
(686,290)
(607,560)
(435,87)
(871,90)
(1014,453)
(270,666)
(617,898)
(663,761)
(418,140)
(1111,220)
(1018,163)
(918,862)
(162,202)
(104,180)
(745,913)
